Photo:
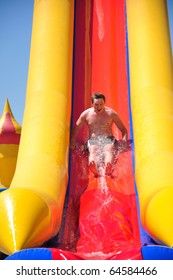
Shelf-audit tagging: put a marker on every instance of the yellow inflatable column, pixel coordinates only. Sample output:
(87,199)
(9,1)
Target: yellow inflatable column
(151,81)
(31,209)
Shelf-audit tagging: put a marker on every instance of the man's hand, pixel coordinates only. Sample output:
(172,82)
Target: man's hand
(72,145)
(78,147)
(122,145)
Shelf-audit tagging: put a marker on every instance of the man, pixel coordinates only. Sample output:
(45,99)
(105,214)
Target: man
(101,143)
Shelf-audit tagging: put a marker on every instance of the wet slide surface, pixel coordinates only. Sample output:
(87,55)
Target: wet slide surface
(101,216)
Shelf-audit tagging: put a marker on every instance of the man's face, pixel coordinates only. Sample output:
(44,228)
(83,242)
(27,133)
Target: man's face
(98,105)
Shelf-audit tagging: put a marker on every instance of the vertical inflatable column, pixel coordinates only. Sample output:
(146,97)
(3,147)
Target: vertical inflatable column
(81,90)
(151,79)
(31,210)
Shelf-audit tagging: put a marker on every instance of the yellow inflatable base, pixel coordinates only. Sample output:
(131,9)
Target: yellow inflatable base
(22,211)
(159,216)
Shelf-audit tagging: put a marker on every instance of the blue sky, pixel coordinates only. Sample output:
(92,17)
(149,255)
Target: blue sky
(15,35)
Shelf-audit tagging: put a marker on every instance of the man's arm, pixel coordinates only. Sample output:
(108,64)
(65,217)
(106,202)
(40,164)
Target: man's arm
(118,122)
(80,122)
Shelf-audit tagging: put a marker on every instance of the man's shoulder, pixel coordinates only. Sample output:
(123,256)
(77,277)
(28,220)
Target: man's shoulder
(86,112)
(110,111)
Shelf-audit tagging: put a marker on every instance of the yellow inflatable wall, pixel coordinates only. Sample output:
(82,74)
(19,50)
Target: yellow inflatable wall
(31,209)
(151,82)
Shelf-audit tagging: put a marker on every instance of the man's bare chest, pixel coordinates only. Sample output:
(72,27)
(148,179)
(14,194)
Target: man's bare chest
(99,120)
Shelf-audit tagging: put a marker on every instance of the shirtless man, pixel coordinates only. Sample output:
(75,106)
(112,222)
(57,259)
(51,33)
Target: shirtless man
(101,143)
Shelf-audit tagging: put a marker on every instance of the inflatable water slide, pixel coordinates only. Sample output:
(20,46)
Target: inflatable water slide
(54,207)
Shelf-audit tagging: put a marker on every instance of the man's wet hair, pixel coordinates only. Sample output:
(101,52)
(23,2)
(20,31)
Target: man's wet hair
(97,95)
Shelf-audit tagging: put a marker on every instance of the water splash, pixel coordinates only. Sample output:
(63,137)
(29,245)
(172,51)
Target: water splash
(100,16)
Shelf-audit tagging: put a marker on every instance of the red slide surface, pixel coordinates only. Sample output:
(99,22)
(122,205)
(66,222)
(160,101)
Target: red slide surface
(101,216)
